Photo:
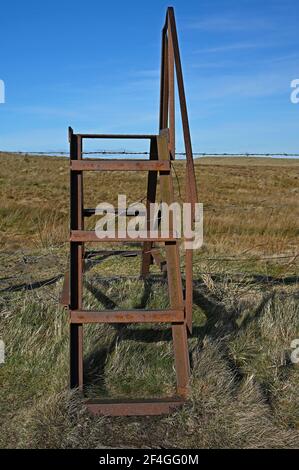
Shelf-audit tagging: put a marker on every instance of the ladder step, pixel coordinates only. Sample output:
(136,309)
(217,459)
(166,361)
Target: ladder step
(119,165)
(91,236)
(117,136)
(145,407)
(91,211)
(89,254)
(127,316)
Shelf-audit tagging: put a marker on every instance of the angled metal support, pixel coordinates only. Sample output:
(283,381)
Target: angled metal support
(171,59)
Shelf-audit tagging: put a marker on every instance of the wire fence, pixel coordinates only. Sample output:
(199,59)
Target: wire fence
(179,154)
(278,257)
(25,281)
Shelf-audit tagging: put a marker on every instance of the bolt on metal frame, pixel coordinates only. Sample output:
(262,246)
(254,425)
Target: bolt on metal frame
(179,315)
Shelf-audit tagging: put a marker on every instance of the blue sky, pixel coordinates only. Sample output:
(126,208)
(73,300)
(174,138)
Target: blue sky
(94,65)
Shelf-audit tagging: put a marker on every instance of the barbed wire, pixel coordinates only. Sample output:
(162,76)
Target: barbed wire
(250,258)
(127,152)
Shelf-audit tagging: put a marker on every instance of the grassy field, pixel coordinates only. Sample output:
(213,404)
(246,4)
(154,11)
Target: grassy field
(244,387)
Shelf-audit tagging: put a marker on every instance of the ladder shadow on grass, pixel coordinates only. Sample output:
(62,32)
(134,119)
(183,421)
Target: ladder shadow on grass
(213,310)
(220,321)
(94,371)
(95,362)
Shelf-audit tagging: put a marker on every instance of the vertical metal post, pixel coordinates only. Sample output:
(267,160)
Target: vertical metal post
(179,330)
(164,90)
(183,105)
(76,265)
(150,199)
(171,123)
(191,190)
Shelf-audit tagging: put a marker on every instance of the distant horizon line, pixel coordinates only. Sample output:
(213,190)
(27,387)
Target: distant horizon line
(135,154)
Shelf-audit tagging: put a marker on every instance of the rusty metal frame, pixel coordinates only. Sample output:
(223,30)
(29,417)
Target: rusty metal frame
(171,60)
(179,315)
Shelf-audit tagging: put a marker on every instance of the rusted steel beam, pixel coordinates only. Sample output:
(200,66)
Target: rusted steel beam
(171,117)
(117,136)
(92,211)
(126,253)
(91,236)
(164,93)
(65,294)
(191,189)
(127,316)
(76,265)
(162,81)
(179,331)
(146,407)
(147,258)
(181,354)
(183,105)
(119,165)
(189,288)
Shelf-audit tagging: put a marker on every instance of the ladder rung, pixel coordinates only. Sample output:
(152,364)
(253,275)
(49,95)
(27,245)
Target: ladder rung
(127,407)
(127,316)
(91,211)
(88,254)
(119,165)
(91,236)
(117,136)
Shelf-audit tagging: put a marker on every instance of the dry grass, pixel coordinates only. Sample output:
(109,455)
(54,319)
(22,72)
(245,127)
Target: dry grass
(249,204)
(242,393)
(244,388)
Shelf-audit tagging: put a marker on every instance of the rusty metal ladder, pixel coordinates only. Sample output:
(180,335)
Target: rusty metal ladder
(159,163)
(179,315)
